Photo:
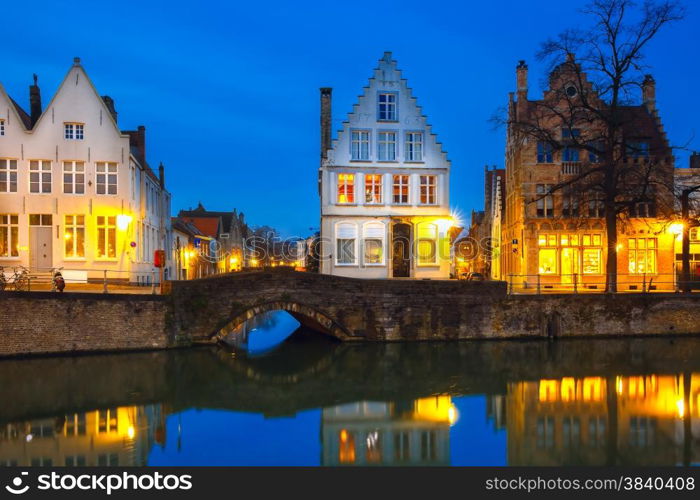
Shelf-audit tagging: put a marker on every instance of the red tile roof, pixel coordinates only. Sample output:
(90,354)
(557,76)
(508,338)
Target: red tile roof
(209,226)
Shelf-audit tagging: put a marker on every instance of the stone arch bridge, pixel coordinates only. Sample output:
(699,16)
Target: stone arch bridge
(348,309)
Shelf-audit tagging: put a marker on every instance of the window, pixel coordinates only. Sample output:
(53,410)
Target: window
(569,133)
(346,188)
(39,176)
(108,420)
(414,146)
(76,461)
(373,189)
(346,238)
(643,209)
(8,176)
(2,127)
(428,189)
(591,261)
(373,452)
(73,177)
(9,235)
(544,152)
(639,149)
(387,107)
(110,459)
(106,178)
(694,234)
(374,243)
(346,447)
(642,255)
(359,147)
(548,260)
(386,144)
(428,446)
(106,237)
(545,203)
(400,189)
(570,204)
(427,243)
(596,149)
(545,432)
(73,131)
(570,154)
(74,236)
(596,206)
(402,446)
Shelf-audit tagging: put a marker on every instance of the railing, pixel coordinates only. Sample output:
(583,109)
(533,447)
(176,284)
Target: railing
(584,283)
(78,280)
(571,167)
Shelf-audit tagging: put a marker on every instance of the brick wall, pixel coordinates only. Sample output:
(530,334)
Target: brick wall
(39,322)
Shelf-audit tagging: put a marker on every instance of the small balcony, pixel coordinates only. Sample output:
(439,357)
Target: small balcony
(571,167)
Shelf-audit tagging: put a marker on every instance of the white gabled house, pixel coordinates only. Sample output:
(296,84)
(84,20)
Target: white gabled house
(384,186)
(75,190)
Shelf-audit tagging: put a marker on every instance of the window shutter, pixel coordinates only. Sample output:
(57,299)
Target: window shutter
(346,231)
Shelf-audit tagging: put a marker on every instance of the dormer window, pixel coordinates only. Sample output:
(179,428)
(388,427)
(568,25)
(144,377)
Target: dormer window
(387,107)
(73,131)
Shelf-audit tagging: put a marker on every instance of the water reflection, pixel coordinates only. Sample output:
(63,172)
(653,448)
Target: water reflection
(570,402)
(263,332)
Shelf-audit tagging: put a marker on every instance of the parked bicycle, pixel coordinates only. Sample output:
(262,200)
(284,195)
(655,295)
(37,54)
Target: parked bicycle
(20,279)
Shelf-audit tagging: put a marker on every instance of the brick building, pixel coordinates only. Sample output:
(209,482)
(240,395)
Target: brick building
(557,237)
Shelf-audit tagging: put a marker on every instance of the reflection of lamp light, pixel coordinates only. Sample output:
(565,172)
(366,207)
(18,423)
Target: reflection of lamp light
(676,228)
(681,408)
(453,415)
(253,262)
(131,432)
(123,222)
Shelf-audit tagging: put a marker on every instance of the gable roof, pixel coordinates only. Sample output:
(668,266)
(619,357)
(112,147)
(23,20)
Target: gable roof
(208,226)
(20,114)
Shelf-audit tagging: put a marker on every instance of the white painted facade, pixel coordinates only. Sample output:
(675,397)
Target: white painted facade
(385,168)
(76,216)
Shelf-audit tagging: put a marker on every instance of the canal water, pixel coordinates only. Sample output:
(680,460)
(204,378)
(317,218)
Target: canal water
(312,401)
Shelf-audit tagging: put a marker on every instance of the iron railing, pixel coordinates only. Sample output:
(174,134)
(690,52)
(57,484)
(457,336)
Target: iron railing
(584,283)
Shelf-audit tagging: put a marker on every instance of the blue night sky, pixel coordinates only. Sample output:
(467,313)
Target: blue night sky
(228,91)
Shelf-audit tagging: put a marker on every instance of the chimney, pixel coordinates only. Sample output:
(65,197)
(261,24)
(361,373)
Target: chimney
(109,102)
(325,121)
(695,160)
(521,77)
(649,92)
(141,144)
(161,175)
(34,101)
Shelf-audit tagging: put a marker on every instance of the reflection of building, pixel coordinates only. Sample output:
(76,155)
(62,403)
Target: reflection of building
(638,420)
(115,436)
(398,433)
(75,190)
(384,186)
(688,178)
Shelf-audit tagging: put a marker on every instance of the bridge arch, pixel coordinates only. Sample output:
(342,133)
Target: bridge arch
(306,315)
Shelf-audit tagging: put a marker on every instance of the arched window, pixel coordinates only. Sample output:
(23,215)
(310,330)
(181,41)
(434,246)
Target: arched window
(346,243)
(427,243)
(373,241)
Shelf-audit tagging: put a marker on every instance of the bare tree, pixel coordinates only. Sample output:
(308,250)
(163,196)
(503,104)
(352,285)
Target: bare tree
(596,74)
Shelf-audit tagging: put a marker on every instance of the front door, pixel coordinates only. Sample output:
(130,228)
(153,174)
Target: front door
(569,264)
(40,256)
(401,250)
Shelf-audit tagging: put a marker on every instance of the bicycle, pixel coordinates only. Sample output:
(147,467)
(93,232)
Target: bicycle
(20,279)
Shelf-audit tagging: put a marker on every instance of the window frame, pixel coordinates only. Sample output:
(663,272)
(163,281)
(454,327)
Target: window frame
(10,236)
(73,228)
(366,228)
(41,171)
(73,173)
(73,131)
(436,242)
(107,227)
(353,229)
(359,143)
(385,142)
(544,205)
(351,192)
(395,104)
(545,153)
(107,174)
(373,187)
(8,170)
(633,250)
(409,146)
(2,127)
(400,185)
(428,187)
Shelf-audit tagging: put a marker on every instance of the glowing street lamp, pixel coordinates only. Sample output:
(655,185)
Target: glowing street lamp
(123,221)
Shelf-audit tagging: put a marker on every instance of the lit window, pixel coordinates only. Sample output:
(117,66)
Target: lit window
(387,106)
(106,236)
(642,255)
(414,146)
(74,235)
(374,243)
(8,176)
(39,176)
(9,235)
(386,144)
(106,178)
(359,148)
(73,177)
(548,260)
(346,188)
(346,447)
(591,261)
(73,131)
(346,238)
(400,189)
(544,152)
(427,243)
(428,189)
(373,189)
(545,202)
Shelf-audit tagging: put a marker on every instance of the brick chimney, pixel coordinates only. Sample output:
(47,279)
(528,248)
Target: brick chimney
(325,121)
(521,79)
(695,160)
(109,102)
(137,141)
(161,175)
(34,101)
(649,92)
